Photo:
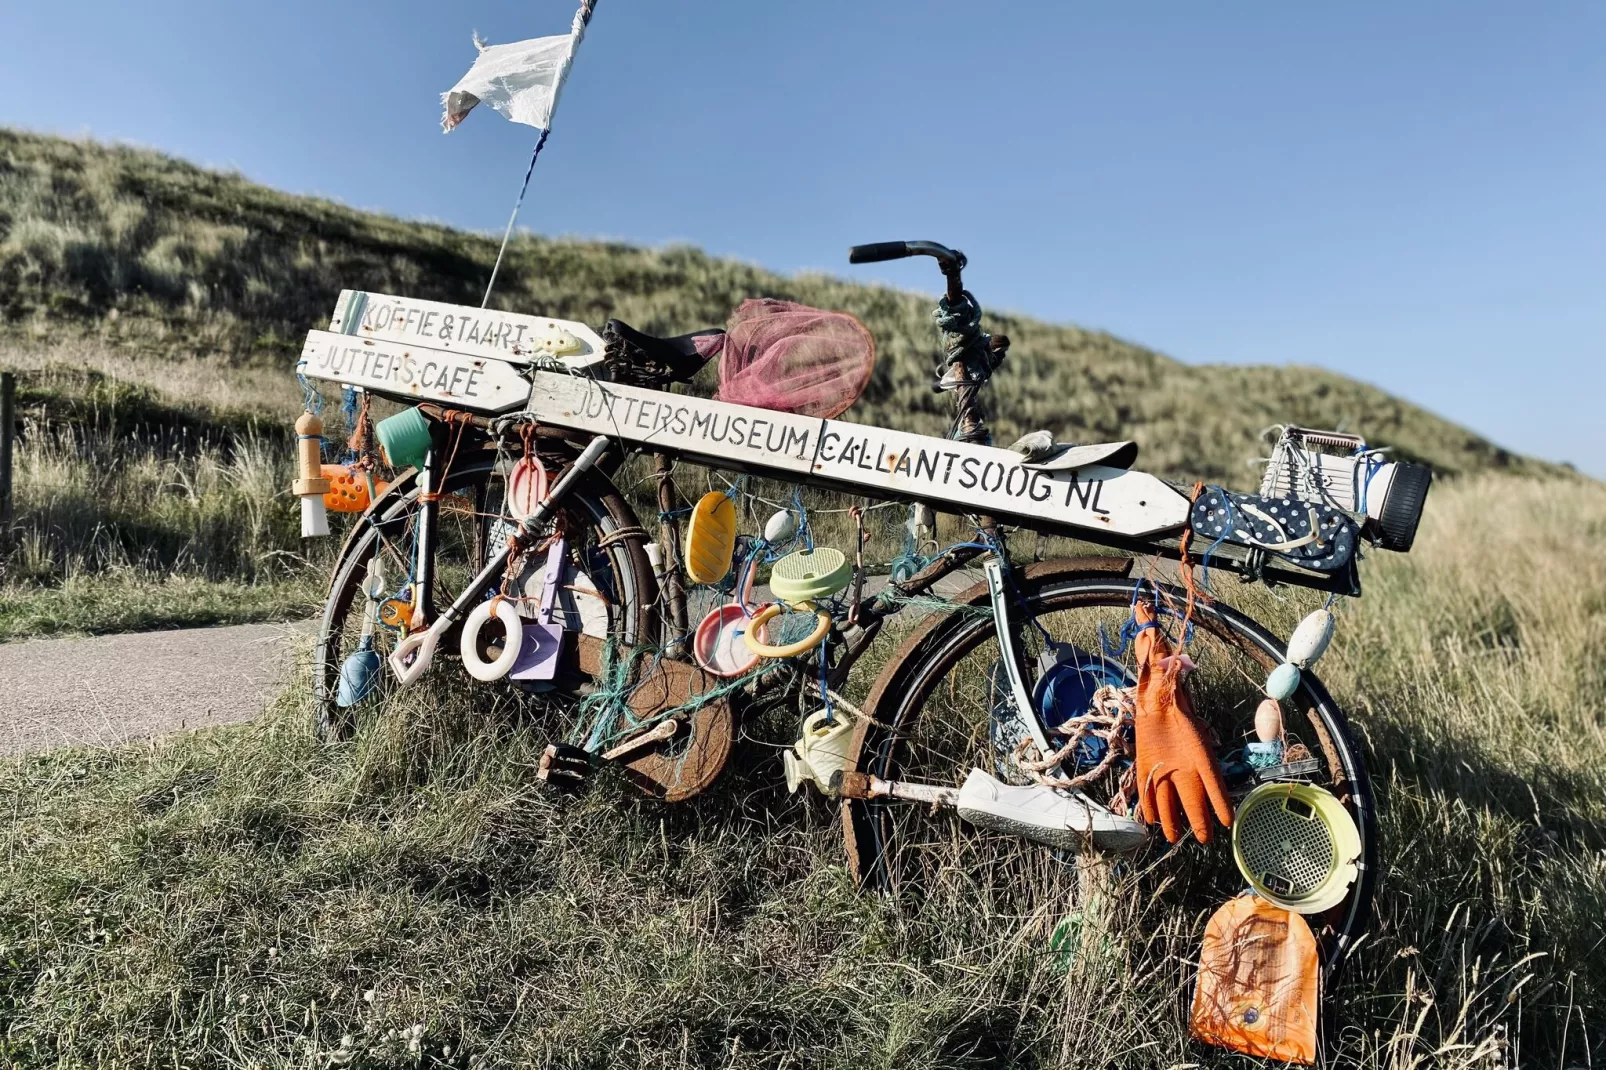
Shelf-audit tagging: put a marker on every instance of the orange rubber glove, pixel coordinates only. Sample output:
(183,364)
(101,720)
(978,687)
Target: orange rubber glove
(1176,766)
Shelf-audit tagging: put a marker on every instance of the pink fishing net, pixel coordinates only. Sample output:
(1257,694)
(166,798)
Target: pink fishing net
(793,358)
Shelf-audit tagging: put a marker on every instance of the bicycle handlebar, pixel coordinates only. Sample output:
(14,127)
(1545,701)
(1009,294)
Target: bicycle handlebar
(952,261)
(875,252)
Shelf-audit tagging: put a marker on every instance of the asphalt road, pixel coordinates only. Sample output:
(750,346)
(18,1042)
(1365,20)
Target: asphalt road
(110,689)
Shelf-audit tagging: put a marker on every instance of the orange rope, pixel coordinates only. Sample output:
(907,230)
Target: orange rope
(361,441)
(1187,562)
(1188,582)
(457,422)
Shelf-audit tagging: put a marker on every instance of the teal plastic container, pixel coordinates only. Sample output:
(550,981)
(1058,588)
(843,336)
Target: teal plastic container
(404,438)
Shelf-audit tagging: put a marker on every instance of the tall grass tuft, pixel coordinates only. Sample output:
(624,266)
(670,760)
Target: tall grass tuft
(128,516)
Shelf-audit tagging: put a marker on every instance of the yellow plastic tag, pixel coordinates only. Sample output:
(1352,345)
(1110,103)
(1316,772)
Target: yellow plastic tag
(711,538)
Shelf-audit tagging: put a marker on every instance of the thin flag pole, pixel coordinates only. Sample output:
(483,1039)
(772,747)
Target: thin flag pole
(577,32)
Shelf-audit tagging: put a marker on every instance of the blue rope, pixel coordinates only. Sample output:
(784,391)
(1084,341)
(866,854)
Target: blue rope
(825,679)
(1374,464)
(805,530)
(1232,520)
(311,400)
(1131,629)
(910,563)
(348,409)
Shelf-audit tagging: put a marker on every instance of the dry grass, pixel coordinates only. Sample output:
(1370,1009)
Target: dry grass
(266,393)
(136,511)
(248,898)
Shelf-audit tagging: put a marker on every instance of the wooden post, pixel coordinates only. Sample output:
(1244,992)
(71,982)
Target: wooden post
(8,430)
(669,577)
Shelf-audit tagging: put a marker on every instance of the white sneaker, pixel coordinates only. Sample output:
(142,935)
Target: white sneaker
(1057,818)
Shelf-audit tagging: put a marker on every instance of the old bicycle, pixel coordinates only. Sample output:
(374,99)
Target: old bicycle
(995,738)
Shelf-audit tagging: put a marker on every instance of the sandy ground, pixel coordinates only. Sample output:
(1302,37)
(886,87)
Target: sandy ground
(113,688)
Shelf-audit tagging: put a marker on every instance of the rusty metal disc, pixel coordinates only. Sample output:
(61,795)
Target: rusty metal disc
(692,759)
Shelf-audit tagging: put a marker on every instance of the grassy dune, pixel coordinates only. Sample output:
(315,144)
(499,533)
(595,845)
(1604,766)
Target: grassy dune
(248,898)
(155,309)
(150,256)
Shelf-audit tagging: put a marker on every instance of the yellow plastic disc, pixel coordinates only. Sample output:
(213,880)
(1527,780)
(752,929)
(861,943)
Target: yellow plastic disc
(755,629)
(1296,845)
(710,538)
(809,574)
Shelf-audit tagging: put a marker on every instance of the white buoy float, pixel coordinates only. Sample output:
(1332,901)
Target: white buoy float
(780,527)
(1310,639)
(1282,682)
(1269,721)
(1266,749)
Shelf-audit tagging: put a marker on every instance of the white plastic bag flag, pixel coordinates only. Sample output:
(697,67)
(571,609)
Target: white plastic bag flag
(521,80)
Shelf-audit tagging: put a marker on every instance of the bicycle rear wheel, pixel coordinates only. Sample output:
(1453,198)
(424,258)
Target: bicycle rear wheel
(609,586)
(933,709)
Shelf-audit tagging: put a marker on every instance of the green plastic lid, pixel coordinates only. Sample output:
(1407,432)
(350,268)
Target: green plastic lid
(809,574)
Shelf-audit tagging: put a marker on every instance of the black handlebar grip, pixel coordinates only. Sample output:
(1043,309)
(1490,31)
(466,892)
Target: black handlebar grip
(877,251)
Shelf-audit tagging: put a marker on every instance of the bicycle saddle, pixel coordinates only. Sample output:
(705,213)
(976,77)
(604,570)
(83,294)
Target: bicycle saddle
(637,357)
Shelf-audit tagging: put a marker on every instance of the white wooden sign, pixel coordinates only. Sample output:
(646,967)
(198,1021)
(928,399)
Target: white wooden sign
(477,359)
(461,380)
(483,332)
(951,476)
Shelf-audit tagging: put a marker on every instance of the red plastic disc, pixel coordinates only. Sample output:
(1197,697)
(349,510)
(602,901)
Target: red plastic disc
(526,487)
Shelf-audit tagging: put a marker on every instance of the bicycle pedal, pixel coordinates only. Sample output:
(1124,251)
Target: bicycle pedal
(564,766)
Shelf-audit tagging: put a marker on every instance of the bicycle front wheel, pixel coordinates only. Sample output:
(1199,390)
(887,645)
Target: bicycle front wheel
(935,712)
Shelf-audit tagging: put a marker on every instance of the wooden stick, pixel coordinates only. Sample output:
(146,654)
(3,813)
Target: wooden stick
(658,733)
(8,429)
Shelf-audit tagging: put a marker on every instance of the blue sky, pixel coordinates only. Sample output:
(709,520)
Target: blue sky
(1409,193)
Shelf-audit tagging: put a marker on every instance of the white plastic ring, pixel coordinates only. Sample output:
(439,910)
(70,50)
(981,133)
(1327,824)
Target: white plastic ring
(477,666)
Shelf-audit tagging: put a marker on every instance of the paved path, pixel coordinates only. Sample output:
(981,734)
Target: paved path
(112,688)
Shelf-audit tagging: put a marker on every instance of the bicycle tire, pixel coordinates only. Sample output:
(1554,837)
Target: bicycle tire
(908,683)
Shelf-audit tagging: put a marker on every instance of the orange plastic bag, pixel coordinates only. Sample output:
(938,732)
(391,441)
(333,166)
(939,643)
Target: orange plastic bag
(1259,982)
(1178,775)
